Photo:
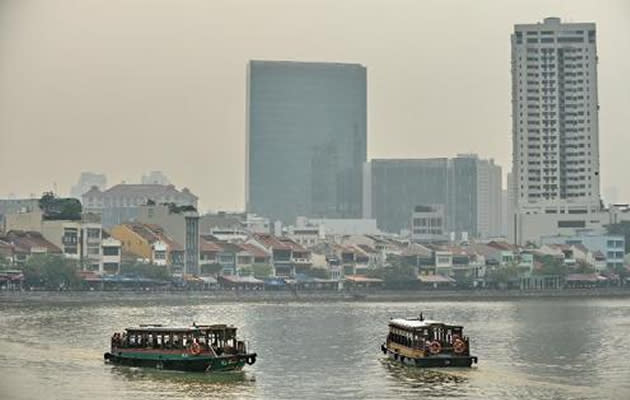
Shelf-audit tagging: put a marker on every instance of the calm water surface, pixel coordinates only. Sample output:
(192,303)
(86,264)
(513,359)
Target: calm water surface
(528,349)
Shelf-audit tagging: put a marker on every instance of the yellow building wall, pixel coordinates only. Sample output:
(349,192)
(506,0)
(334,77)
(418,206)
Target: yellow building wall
(132,242)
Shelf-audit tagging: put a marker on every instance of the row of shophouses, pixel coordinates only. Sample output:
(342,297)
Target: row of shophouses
(161,236)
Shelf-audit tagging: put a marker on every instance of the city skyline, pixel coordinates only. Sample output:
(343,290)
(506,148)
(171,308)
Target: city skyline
(145,111)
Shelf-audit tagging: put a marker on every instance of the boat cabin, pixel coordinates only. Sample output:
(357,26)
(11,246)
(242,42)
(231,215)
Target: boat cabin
(426,336)
(216,339)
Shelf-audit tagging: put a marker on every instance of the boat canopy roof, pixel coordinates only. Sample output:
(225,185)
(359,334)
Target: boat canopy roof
(196,328)
(417,323)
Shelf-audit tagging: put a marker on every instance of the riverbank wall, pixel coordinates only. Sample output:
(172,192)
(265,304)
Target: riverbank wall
(220,296)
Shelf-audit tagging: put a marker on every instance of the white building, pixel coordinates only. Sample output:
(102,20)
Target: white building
(112,251)
(555,114)
(159,253)
(427,223)
(555,130)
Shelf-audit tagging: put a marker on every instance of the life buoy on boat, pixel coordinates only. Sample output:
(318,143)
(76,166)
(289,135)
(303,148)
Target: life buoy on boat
(435,347)
(459,346)
(195,349)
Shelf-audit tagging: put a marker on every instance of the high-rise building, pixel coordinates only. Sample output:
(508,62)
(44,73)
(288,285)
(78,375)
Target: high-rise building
(306,139)
(555,117)
(155,178)
(85,183)
(468,189)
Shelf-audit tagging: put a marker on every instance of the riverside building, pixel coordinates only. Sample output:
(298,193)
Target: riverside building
(555,125)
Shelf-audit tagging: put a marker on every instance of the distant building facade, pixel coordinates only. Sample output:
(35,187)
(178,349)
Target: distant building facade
(306,139)
(427,224)
(80,240)
(14,206)
(150,244)
(182,226)
(155,178)
(120,203)
(611,246)
(85,183)
(469,188)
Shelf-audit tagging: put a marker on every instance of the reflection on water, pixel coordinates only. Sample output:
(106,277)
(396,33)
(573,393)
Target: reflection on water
(534,349)
(426,381)
(216,385)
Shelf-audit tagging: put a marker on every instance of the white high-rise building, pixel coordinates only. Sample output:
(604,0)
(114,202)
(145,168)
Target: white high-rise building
(555,118)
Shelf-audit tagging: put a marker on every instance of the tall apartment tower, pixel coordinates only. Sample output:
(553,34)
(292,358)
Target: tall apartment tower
(555,125)
(306,139)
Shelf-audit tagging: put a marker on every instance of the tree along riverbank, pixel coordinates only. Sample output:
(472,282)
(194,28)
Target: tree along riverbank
(218,296)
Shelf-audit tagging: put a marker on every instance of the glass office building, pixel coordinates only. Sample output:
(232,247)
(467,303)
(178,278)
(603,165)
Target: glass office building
(306,139)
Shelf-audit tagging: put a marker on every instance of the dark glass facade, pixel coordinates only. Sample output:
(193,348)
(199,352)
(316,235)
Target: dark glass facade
(398,186)
(306,139)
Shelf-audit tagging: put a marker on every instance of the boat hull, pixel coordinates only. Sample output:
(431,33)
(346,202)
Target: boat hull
(182,362)
(438,361)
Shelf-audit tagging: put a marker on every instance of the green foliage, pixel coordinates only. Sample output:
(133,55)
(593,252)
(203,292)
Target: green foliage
(175,209)
(149,271)
(622,229)
(504,274)
(245,271)
(60,209)
(262,271)
(5,263)
(51,272)
(584,268)
(211,269)
(400,271)
(378,273)
(552,266)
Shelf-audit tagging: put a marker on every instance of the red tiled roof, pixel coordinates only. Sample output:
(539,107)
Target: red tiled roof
(271,241)
(502,245)
(254,250)
(207,244)
(153,233)
(26,241)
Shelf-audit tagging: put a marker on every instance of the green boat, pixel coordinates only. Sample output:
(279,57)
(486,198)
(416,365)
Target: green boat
(198,348)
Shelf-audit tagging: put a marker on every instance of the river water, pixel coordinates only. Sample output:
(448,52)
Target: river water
(528,349)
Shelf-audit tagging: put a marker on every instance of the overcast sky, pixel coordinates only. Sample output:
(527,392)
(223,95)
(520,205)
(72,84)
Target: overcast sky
(123,87)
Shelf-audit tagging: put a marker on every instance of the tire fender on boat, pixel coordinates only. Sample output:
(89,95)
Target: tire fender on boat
(435,347)
(250,360)
(194,349)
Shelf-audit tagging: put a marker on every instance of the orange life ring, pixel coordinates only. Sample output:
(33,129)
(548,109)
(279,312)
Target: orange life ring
(435,347)
(194,349)
(459,346)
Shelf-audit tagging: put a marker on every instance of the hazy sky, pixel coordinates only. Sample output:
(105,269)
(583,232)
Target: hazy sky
(123,87)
